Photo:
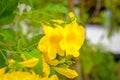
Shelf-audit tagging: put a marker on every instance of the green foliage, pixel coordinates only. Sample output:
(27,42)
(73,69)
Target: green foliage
(7,19)
(35,53)
(7,7)
(6,10)
(7,40)
(3,61)
(12,46)
(52,71)
(7,35)
(34,41)
(97,63)
(28,2)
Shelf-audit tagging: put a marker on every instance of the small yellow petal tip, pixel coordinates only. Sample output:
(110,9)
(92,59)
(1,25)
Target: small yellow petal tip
(71,15)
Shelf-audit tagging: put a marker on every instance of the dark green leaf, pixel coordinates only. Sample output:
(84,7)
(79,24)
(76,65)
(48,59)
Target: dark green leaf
(7,19)
(7,7)
(3,62)
(8,34)
(6,11)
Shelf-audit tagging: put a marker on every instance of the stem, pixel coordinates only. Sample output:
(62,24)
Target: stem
(97,10)
(78,68)
(71,5)
(82,10)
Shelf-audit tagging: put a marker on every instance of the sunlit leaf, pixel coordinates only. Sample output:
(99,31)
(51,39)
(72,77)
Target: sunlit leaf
(38,68)
(35,53)
(34,41)
(19,44)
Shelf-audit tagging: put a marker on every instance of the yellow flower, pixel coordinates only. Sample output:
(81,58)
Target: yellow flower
(58,21)
(69,73)
(73,38)
(30,63)
(26,75)
(52,62)
(46,72)
(23,57)
(19,75)
(62,39)
(23,75)
(54,77)
(2,71)
(46,69)
(50,42)
(11,62)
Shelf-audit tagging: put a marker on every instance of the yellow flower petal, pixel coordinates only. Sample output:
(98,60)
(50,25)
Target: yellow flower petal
(50,42)
(75,53)
(30,63)
(42,44)
(48,30)
(71,15)
(53,62)
(2,71)
(19,75)
(73,39)
(54,77)
(52,52)
(11,62)
(46,69)
(58,21)
(66,72)
(23,57)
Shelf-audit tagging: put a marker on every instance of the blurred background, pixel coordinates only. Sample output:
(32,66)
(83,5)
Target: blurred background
(100,54)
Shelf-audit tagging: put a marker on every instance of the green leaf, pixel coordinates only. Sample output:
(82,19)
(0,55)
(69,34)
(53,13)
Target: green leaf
(1,37)
(39,3)
(3,61)
(7,7)
(38,68)
(17,57)
(6,11)
(19,44)
(27,55)
(8,34)
(7,19)
(56,8)
(52,71)
(35,53)
(34,41)
(87,66)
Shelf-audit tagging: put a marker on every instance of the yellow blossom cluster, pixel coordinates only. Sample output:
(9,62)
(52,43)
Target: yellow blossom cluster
(23,75)
(62,40)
